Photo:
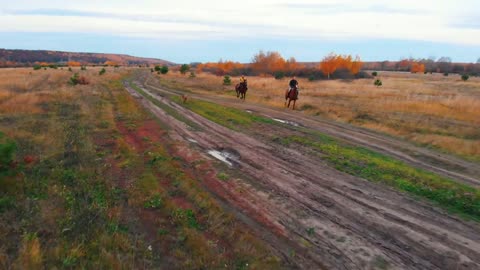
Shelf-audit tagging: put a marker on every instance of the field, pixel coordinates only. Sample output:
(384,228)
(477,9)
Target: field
(432,110)
(121,173)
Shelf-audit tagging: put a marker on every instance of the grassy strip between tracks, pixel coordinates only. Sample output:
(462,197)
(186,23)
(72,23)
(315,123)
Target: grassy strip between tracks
(164,107)
(359,161)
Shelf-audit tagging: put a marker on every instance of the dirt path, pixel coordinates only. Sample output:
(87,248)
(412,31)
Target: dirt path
(442,164)
(332,220)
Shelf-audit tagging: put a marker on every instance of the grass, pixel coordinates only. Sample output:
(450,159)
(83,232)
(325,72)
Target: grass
(226,116)
(81,204)
(432,110)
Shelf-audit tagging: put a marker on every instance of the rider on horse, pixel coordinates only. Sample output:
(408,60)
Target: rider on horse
(243,80)
(293,85)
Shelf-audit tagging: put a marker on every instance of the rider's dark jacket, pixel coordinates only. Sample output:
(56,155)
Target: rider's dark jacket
(293,83)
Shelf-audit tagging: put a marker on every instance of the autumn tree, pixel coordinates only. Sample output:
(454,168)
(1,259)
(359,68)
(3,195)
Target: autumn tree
(110,63)
(417,67)
(329,64)
(269,62)
(74,64)
(356,65)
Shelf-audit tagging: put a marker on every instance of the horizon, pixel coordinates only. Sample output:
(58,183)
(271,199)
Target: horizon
(210,31)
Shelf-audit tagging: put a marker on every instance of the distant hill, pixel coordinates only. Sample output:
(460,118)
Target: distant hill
(12,58)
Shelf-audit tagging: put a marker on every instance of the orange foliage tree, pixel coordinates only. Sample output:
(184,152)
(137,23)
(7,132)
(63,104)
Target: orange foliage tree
(356,65)
(269,62)
(74,64)
(330,64)
(110,63)
(417,67)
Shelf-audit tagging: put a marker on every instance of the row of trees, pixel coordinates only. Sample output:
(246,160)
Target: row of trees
(440,65)
(272,63)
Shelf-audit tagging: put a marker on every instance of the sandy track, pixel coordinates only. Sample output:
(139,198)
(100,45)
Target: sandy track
(332,219)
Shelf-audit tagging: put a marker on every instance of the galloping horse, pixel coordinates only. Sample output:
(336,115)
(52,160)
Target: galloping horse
(291,95)
(241,90)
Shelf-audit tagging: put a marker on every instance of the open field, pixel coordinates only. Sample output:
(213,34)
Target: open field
(428,109)
(122,174)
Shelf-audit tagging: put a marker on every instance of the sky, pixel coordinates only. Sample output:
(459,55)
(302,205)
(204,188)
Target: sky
(185,31)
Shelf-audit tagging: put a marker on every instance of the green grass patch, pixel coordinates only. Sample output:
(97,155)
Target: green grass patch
(367,164)
(225,116)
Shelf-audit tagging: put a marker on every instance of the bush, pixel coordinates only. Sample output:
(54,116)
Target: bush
(157,68)
(7,150)
(164,69)
(83,68)
(37,67)
(227,80)
(184,68)
(378,83)
(465,77)
(445,74)
(279,75)
(192,74)
(151,70)
(53,66)
(102,71)
(311,78)
(75,79)
(374,74)
(70,69)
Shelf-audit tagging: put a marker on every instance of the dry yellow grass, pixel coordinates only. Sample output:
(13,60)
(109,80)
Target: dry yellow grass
(430,109)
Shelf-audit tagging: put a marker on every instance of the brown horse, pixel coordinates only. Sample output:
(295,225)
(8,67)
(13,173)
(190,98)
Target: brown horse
(291,95)
(241,90)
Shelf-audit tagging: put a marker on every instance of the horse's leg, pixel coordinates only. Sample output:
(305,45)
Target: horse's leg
(294,101)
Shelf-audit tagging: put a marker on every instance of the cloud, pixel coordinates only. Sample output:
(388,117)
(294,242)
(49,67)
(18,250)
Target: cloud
(425,20)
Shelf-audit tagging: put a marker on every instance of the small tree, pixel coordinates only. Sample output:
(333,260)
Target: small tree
(374,74)
(465,77)
(378,83)
(157,68)
(184,68)
(37,67)
(76,79)
(102,71)
(227,80)
(164,69)
(279,75)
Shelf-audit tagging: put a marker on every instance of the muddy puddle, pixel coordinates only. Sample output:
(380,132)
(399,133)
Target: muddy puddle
(286,122)
(228,156)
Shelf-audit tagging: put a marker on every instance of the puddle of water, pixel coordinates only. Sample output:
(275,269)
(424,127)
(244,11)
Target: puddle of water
(248,111)
(192,140)
(225,156)
(286,122)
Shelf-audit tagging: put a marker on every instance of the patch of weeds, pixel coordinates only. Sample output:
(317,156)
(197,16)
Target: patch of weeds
(154,202)
(223,176)
(380,263)
(6,203)
(162,231)
(186,217)
(311,231)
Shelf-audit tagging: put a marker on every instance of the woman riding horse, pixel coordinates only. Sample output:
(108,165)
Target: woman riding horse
(242,88)
(292,93)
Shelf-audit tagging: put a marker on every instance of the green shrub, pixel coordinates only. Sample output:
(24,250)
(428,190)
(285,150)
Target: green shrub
(76,79)
(184,68)
(37,67)
(378,83)
(311,78)
(164,69)
(152,70)
(227,80)
(279,75)
(157,68)
(445,74)
(70,69)
(7,151)
(465,77)
(83,68)
(374,74)
(53,66)
(102,71)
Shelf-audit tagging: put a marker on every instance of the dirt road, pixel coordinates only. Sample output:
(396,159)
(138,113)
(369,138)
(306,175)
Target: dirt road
(317,217)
